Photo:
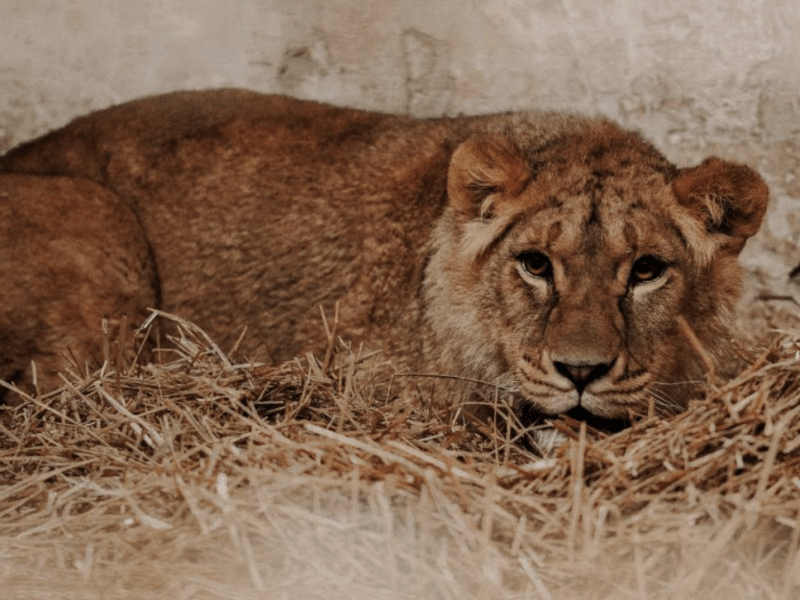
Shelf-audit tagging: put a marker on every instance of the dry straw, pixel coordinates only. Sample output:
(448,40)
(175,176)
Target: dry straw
(199,477)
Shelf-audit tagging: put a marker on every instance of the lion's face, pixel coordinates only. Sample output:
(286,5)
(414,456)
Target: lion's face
(594,277)
(592,270)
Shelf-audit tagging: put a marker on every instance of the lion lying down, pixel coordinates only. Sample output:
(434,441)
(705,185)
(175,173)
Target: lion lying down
(559,253)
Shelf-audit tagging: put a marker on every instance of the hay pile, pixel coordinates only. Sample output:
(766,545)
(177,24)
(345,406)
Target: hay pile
(202,478)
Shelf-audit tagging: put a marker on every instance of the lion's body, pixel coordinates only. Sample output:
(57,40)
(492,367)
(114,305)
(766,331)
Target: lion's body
(234,209)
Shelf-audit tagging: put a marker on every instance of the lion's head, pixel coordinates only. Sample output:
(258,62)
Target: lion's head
(590,268)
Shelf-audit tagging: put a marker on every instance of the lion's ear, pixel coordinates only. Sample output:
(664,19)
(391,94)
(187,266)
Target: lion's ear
(728,198)
(480,170)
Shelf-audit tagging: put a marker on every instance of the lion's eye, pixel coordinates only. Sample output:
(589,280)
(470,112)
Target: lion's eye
(536,264)
(647,268)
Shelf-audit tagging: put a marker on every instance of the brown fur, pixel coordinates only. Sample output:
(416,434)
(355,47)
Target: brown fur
(235,209)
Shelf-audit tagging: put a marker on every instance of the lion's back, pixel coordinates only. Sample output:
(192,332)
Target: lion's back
(260,209)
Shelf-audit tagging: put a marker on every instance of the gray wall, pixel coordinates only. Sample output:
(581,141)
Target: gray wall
(696,77)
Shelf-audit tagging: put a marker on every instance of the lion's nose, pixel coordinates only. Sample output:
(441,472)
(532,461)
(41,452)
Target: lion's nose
(582,375)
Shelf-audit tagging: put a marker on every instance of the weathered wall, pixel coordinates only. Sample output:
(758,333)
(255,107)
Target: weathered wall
(696,77)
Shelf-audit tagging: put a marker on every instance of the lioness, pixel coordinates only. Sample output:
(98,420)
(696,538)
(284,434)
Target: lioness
(559,253)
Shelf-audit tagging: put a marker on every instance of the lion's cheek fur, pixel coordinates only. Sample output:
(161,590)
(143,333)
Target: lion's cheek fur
(482,320)
(653,339)
(677,356)
(460,339)
(710,306)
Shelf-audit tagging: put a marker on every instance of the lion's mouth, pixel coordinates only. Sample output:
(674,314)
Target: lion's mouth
(530,417)
(600,423)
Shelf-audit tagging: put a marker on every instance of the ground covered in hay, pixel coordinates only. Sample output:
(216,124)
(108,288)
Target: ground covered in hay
(203,478)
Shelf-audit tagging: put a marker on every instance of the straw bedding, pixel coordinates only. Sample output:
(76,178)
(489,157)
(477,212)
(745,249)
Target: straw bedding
(199,477)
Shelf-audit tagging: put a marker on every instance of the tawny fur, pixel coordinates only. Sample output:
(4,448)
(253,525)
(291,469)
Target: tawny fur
(235,209)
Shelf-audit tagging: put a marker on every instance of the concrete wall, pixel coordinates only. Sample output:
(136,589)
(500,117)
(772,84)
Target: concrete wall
(696,77)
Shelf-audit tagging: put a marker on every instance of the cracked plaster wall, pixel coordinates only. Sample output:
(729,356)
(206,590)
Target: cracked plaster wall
(697,78)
